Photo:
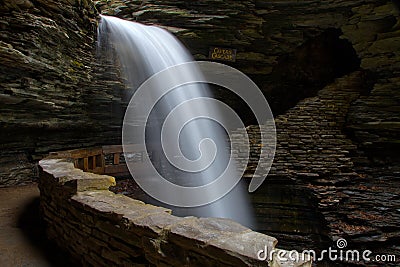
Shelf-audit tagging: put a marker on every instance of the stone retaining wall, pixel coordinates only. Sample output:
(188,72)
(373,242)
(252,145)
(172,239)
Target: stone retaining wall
(100,228)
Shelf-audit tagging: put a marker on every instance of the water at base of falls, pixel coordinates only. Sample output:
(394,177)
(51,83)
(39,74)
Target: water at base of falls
(142,51)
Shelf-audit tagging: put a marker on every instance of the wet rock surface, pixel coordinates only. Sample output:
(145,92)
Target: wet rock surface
(341,144)
(55,96)
(52,93)
(291,49)
(320,187)
(344,138)
(328,175)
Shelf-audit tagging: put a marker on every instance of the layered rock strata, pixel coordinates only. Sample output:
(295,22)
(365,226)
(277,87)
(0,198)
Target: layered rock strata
(52,93)
(286,47)
(314,156)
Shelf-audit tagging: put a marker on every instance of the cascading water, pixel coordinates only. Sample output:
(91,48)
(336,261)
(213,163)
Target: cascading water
(143,51)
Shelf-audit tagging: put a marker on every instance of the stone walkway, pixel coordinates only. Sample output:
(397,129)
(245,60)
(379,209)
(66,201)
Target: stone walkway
(22,238)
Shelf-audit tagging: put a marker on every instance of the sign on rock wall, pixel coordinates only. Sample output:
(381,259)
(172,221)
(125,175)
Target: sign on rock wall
(222,54)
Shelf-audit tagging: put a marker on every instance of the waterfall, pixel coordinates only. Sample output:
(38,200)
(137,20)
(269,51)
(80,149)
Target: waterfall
(142,51)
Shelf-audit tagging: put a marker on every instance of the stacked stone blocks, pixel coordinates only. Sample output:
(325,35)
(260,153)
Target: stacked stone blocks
(100,228)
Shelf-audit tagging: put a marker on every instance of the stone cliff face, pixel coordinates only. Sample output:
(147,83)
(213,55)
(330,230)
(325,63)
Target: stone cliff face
(338,146)
(51,96)
(291,49)
(51,87)
(319,188)
(55,96)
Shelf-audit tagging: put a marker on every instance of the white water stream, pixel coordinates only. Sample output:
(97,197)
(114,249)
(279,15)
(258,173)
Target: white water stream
(143,51)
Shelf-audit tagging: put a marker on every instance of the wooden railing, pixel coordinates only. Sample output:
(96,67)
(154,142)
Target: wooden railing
(108,160)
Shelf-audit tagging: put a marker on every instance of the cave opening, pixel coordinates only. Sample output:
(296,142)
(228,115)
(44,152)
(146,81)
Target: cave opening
(299,75)
(311,66)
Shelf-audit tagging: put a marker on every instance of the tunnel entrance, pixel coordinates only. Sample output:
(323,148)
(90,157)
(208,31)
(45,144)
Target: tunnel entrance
(309,68)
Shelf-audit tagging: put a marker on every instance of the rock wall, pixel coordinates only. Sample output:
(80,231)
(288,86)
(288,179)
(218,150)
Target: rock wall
(100,228)
(332,143)
(52,93)
(313,152)
(374,120)
(52,87)
(54,96)
(311,143)
(286,48)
